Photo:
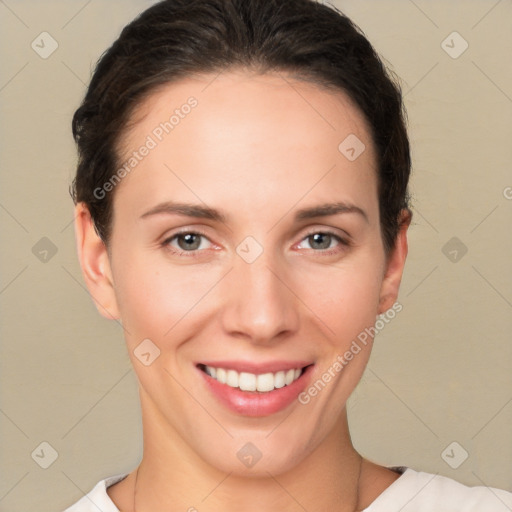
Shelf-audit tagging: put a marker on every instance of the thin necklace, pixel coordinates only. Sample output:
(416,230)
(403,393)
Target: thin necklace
(358,480)
(135,487)
(357,488)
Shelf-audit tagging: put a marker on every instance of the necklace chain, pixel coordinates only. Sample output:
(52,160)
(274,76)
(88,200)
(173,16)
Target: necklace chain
(357,488)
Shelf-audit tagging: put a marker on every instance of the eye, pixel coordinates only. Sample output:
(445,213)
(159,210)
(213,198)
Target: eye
(322,240)
(187,242)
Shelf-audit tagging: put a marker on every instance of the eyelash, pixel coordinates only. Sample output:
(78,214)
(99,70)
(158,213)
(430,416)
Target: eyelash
(194,254)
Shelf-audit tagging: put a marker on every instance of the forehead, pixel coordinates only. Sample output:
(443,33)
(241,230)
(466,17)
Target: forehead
(268,134)
(243,92)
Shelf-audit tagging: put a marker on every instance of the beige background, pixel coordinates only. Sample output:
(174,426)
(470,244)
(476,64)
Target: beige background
(440,371)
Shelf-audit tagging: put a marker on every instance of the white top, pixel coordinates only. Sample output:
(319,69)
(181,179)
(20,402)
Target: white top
(413,491)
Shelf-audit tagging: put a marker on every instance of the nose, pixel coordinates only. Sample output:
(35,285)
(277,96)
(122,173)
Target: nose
(260,305)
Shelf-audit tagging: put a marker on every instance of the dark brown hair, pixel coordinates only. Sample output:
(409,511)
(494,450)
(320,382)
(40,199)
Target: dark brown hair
(176,38)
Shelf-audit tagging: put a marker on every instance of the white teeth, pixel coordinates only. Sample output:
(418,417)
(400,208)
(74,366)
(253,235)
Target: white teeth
(288,379)
(265,382)
(221,375)
(247,381)
(212,372)
(232,378)
(279,380)
(250,382)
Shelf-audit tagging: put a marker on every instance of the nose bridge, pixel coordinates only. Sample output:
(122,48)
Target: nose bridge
(259,304)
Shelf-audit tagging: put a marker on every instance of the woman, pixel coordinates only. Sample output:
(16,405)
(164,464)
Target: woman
(242,209)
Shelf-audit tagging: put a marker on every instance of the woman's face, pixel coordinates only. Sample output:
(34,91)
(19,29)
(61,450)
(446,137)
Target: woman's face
(246,238)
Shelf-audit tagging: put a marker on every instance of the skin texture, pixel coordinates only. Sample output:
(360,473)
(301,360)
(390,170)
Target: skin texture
(257,147)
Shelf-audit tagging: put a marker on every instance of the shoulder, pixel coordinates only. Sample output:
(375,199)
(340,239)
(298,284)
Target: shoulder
(416,491)
(97,498)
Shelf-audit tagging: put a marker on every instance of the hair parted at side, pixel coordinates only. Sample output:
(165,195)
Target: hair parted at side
(177,38)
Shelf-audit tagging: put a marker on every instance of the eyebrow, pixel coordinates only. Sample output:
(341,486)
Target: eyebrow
(205,212)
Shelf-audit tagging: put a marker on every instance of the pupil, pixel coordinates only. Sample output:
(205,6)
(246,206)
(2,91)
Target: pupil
(321,235)
(317,239)
(189,241)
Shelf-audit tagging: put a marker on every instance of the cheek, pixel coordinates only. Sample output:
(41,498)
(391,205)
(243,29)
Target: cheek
(345,297)
(155,296)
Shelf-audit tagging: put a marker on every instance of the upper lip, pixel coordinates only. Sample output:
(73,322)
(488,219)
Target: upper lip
(256,368)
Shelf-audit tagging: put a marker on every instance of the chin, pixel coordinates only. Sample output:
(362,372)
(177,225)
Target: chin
(257,455)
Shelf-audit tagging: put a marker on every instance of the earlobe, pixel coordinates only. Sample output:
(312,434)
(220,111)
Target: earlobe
(395,265)
(95,264)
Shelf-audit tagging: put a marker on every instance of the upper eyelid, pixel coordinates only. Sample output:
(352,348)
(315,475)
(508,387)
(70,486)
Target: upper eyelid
(325,232)
(196,231)
(338,232)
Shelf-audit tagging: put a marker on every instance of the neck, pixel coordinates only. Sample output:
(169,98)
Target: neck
(172,477)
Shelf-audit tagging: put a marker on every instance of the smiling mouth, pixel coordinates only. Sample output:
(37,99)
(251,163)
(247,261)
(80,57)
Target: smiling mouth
(245,381)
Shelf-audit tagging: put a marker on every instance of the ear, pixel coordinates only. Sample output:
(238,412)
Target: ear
(395,265)
(95,264)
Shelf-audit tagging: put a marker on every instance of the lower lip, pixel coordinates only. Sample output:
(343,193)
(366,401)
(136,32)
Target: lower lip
(254,403)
